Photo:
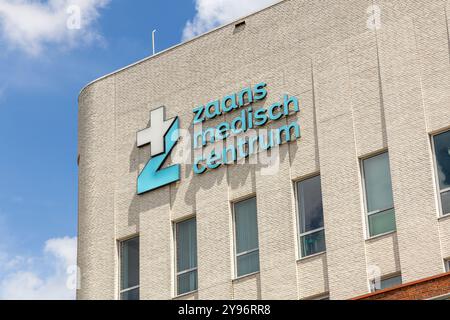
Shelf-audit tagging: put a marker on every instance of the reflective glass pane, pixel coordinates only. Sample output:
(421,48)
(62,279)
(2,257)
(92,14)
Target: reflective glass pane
(130,295)
(446,297)
(187,282)
(378,184)
(390,282)
(310,204)
(442,151)
(246,225)
(445,201)
(382,222)
(313,243)
(129,259)
(186,245)
(248,263)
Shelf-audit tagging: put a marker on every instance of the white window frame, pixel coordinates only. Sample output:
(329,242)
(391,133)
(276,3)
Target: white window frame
(447,265)
(246,253)
(120,242)
(175,223)
(367,214)
(436,176)
(322,297)
(299,228)
(128,289)
(384,278)
(442,297)
(236,255)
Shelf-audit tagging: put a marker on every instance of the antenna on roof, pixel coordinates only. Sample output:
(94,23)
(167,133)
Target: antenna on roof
(153,41)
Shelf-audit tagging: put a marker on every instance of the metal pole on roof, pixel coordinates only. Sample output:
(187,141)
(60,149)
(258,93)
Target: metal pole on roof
(153,41)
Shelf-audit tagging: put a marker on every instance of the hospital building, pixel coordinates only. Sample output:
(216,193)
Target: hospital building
(301,152)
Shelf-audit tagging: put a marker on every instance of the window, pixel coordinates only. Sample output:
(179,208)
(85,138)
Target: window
(311,226)
(323,297)
(378,195)
(387,282)
(447,265)
(391,282)
(441,143)
(186,247)
(246,237)
(239,26)
(443,297)
(129,269)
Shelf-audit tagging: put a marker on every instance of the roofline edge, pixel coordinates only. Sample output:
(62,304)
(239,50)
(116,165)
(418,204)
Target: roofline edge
(177,45)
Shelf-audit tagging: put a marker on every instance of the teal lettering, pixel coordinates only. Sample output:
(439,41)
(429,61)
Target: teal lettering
(260,117)
(260,91)
(216,109)
(213,161)
(204,137)
(294,126)
(288,101)
(243,123)
(271,110)
(198,114)
(198,169)
(228,107)
(223,131)
(245,93)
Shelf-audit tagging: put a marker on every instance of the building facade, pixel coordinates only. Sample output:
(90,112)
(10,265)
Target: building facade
(432,288)
(301,152)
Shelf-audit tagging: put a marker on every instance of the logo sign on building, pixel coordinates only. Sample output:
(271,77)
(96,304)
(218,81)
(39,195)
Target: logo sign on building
(163,134)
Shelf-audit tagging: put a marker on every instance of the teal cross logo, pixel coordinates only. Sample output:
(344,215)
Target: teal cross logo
(162,135)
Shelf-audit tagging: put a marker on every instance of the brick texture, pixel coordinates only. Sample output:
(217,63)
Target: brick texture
(431,288)
(361,91)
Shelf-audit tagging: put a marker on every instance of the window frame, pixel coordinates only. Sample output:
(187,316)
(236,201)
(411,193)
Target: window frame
(367,214)
(299,228)
(441,297)
(235,254)
(119,245)
(447,265)
(176,273)
(322,297)
(384,278)
(439,192)
(127,290)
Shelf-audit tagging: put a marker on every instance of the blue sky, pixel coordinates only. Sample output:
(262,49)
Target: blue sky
(43,67)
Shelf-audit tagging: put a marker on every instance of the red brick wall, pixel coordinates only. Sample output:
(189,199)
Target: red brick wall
(418,290)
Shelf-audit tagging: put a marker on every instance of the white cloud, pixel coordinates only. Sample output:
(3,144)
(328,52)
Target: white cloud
(31,25)
(212,13)
(65,249)
(40,278)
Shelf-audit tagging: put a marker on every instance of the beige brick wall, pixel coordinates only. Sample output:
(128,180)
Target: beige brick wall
(361,91)
(97,240)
